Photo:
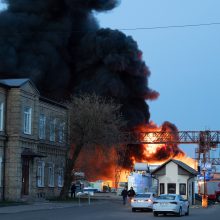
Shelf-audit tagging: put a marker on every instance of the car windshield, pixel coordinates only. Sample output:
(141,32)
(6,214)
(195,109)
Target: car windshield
(166,197)
(143,195)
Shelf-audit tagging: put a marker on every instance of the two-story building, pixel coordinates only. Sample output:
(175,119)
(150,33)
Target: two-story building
(33,142)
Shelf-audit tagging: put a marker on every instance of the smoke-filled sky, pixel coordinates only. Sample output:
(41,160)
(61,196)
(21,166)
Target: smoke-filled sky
(59,45)
(184,62)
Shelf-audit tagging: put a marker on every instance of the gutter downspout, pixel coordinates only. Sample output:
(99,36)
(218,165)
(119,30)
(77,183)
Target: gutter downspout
(4,171)
(4,148)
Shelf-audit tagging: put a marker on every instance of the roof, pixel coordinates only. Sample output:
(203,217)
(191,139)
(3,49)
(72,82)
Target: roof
(14,82)
(179,163)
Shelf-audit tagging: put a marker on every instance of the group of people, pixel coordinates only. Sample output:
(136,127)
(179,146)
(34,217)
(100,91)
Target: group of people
(127,194)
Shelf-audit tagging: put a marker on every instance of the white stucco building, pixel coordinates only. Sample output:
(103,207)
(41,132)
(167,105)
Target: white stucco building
(176,177)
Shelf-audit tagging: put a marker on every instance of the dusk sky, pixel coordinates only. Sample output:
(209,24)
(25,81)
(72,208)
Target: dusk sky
(184,62)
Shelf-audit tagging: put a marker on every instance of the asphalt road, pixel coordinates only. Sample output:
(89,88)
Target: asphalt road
(105,210)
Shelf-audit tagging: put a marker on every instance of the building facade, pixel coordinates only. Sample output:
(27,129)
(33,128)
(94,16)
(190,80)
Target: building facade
(176,177)
(33,142)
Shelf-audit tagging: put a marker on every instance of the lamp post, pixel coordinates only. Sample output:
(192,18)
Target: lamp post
(204,196)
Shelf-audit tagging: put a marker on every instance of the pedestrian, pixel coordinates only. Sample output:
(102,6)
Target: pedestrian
(131,193)
(73,190)
(124,195)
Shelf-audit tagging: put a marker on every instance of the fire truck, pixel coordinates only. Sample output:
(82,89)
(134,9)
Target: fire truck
(212,189)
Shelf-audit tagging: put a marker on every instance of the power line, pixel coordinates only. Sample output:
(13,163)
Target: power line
(121,29)
(170,26)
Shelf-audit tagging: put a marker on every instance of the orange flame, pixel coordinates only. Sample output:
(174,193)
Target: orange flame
(160,153)
(102,167)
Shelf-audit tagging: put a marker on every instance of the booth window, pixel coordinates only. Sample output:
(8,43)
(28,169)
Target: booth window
(162,190)
(182,187)
(171,188)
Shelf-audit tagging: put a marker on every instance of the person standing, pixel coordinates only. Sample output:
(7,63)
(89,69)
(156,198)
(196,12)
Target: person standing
(131,193)
(73,190)
(124,195)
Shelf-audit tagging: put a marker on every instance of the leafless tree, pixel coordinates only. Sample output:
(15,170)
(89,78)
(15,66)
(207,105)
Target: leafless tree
(93,121)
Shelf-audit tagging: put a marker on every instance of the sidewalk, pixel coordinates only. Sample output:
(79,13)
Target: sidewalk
(36,206)
(45,205)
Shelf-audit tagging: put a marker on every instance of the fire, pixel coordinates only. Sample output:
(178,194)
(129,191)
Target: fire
(160,153)
(103,165)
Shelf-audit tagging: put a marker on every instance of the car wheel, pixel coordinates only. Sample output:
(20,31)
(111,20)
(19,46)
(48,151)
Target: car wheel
(155,214)
(180,212)
(218,198)
(133,210)
(187,213)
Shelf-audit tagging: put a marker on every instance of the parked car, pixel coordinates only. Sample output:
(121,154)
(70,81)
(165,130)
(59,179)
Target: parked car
(170,204)
(142,201)
(87,191)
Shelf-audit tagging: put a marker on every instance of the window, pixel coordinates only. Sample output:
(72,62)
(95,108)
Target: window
(182,188)
(40,174)
(171,188)
(1,115)
(60,177)
(61,132)
(52,129)
(27,120)
(42,126)
(162,190)
(51,175)
(0,171)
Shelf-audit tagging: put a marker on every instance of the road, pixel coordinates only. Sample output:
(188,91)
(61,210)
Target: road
(105,210)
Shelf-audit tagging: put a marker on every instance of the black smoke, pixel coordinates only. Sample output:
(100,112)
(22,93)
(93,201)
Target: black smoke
(60,46)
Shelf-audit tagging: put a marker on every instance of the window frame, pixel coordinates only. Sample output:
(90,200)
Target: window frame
(42,127)
(51,174)
(162,188)
(52,137)
(60,177)
(61,132)
(40,173)
(27,120)
(184,189)
(1,116)
(169,187)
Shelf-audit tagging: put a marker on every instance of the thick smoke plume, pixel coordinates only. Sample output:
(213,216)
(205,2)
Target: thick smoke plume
(60,46)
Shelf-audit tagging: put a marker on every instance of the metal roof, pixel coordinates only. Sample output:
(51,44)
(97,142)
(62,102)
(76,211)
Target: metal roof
(185,167)
(14,82)
(179,163)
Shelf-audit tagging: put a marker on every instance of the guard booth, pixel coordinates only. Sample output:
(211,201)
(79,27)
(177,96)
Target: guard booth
(176,177)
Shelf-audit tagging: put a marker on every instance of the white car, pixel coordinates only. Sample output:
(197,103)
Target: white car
(142,201)
(87,191)
(170,204)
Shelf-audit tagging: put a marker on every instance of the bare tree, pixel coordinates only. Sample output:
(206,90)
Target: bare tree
(93,121)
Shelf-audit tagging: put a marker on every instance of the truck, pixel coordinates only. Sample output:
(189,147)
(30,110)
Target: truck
(212,189)
(140,178)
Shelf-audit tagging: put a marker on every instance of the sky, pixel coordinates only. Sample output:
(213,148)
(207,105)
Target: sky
(184,62)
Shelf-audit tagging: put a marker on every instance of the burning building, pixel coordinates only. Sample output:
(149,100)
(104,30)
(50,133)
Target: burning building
(59,45)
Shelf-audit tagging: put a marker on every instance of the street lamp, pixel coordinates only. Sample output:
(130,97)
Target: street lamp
(204,196)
